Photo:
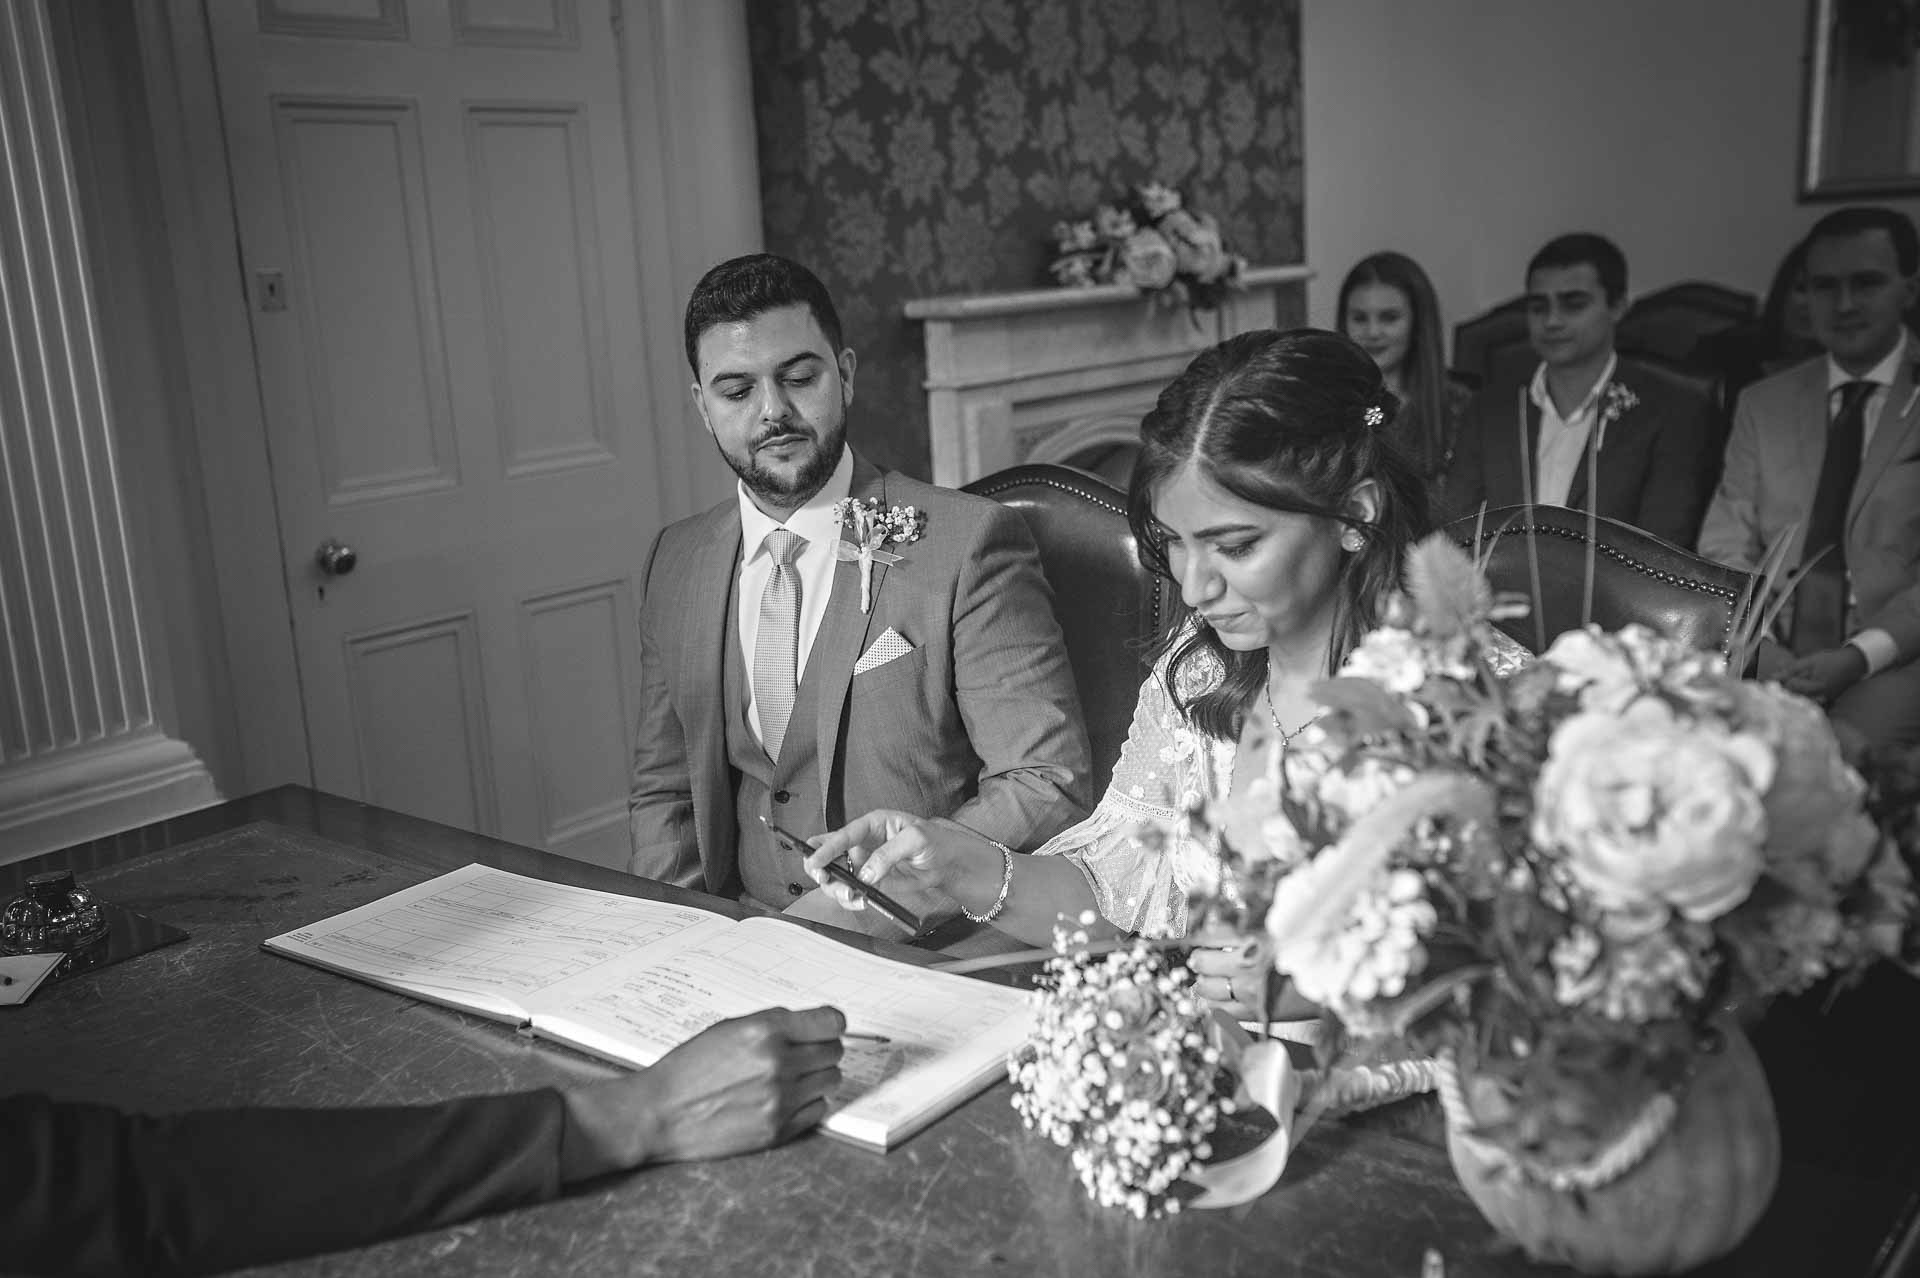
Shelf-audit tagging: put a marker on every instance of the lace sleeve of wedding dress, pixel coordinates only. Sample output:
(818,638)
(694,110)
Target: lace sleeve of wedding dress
(1134,844)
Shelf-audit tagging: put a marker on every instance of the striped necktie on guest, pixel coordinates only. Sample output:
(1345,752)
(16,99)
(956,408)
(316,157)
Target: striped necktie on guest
(776,647)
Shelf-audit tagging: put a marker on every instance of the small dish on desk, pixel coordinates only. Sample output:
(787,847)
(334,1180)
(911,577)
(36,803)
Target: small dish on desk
(21,975)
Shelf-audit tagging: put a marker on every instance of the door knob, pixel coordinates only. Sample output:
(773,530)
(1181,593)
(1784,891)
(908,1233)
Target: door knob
(335,557)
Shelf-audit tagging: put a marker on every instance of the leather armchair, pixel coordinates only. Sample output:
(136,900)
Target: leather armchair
(1636,576)
(1493,345)
(1110,609)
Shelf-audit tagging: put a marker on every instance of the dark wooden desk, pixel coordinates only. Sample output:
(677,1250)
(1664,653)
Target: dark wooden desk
(217,1021)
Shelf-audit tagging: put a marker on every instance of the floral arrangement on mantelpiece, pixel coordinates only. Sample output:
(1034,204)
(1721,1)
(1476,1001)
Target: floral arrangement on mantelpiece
(1153,241)
(1558,881)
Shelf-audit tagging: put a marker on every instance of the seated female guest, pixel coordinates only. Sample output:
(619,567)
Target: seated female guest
(1268,489)
(1387,305)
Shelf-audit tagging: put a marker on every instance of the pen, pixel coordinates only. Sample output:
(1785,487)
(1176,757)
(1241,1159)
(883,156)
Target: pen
(841,872)
(865,1038)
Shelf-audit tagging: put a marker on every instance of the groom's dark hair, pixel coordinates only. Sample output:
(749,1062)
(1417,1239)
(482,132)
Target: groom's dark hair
(743,287)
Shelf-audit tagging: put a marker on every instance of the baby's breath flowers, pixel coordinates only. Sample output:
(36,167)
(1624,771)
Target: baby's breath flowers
(871,527)
(1121,1070)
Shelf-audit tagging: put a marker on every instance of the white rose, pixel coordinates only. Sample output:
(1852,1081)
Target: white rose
(1649,808)
(1363,786)
(1390,657)
(1817,830)
(1594,665)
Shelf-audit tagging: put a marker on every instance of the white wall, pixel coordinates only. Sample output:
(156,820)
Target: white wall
(1466,133)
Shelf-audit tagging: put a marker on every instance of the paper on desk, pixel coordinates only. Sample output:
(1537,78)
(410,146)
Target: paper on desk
(27,971)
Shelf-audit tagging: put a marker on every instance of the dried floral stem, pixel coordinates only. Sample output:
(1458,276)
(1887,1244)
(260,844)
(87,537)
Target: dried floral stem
(1533,547)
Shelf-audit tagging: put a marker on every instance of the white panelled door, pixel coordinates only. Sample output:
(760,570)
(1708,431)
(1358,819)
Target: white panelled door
(436,226)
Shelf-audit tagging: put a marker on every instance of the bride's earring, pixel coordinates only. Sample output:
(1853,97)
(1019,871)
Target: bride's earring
(1351,541)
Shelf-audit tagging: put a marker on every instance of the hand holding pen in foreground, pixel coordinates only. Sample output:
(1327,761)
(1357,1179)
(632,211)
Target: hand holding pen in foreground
(737,1086)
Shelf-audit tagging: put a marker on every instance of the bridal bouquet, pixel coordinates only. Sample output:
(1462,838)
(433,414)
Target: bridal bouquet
(1123,1068)
(1152,241)
(1558,876)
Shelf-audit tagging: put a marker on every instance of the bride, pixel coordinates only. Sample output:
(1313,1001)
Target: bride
(1267,489)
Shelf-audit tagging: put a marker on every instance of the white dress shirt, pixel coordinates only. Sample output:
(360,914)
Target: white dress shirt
(1876,645)
(1563,440)
(813,521)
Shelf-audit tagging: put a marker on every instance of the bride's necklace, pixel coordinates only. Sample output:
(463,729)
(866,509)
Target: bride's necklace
(1286,737)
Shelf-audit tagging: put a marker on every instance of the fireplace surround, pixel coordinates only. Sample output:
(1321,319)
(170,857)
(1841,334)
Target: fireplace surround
(1065,374)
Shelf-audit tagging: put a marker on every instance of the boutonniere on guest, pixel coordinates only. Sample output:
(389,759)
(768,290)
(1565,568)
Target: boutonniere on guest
(874,528)
(1617,400)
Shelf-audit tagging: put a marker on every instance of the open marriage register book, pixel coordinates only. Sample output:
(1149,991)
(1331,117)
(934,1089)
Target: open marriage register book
(627,980)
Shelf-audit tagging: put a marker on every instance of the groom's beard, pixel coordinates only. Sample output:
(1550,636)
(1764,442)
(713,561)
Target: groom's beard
(790,486)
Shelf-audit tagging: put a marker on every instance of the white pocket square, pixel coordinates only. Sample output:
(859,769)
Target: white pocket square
(890,646)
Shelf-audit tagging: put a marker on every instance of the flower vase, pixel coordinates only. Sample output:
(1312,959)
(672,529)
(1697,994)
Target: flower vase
(1681,1184)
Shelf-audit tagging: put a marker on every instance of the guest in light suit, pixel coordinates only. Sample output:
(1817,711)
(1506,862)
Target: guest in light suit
(1831,448)
(775,684)
(1654,437)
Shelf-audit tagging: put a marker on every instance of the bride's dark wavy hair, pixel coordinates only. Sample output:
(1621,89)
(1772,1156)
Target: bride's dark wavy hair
(1279,419)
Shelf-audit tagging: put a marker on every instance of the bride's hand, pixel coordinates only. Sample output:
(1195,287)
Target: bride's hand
(905,856)
(1235,973)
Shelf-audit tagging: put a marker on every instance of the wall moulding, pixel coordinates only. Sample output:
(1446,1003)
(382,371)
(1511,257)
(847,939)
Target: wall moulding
(1053,374)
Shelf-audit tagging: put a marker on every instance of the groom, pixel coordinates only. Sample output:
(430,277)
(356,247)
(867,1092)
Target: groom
(784,678)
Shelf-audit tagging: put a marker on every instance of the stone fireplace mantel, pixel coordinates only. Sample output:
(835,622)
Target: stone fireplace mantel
(1058,374)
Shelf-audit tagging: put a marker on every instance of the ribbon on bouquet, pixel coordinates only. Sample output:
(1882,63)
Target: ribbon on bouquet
(1270,1081)
(847,552)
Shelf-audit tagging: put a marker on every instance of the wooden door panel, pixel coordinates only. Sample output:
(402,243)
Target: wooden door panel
(364,287)
(576,669)
(335,19)
(538,244)
(419,709)
(516,24)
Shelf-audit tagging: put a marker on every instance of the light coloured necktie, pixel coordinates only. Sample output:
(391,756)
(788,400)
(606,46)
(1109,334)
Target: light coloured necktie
(776,648)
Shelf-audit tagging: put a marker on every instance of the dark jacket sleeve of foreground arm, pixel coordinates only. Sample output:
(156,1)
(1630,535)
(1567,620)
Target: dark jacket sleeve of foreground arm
(86,1189)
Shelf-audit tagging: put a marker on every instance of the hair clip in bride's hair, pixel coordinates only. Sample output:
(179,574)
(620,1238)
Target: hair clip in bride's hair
(1375,415)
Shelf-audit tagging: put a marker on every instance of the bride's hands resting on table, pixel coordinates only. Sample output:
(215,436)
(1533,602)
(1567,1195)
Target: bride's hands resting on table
(910,857)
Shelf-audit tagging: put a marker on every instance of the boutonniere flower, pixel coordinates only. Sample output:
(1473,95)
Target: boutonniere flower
(873,529)
(1615,401)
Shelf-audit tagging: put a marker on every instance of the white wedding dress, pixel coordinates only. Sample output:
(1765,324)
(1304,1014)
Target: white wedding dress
(1135,847)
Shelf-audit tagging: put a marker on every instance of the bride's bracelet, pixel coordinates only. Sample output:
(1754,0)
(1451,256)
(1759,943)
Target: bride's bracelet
(1006,883)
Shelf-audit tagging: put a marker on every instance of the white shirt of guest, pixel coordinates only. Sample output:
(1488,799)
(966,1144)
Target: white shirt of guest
(1881,375)
(1563,440)
(814,521)
(1878,646)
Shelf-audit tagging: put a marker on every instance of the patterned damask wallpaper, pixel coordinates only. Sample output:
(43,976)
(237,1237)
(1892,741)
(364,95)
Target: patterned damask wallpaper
(911,148)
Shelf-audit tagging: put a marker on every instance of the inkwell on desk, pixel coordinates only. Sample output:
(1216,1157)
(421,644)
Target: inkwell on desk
(62,923)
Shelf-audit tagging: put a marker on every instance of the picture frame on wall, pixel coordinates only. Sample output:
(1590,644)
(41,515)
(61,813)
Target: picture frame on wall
(1860,133)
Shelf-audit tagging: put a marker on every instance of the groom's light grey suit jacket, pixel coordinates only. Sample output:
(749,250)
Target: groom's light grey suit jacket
(979,721)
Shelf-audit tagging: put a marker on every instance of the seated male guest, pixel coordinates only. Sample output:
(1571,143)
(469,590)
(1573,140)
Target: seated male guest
(1654,438)
(783,678)
(1831,450)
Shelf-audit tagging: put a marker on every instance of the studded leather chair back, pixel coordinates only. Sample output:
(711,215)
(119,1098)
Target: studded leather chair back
(1636,576)
(1110,609)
